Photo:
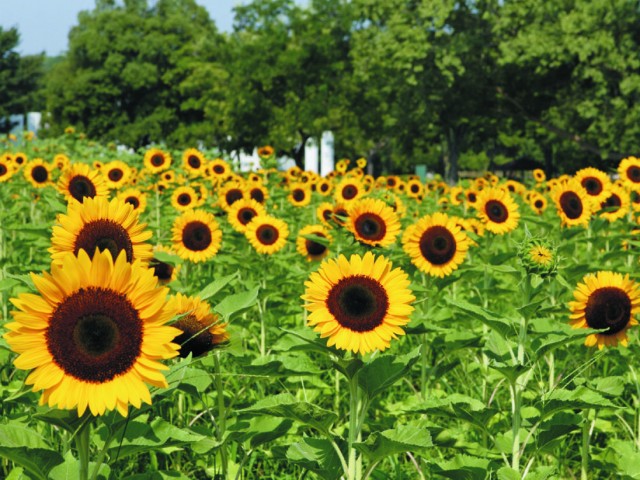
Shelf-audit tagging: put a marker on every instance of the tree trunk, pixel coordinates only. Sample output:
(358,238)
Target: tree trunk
(549,168)
(455,136)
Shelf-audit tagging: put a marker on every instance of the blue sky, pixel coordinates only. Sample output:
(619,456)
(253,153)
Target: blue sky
(44,24)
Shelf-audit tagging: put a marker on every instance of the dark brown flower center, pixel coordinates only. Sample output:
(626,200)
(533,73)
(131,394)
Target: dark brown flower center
(80,187)
(324,187)
(438,245)
(358,303)
(538,204)
(195,339)
(194,162)
(257,194)
(162,270)
(496,211)
(104,235)
(592,185)
(133,201)
(349,192)
(3,169)
(233,196)
(95,334)
(219,169)
(315,249)
(115,174)
(415,188)
(196,236)
(571,205)
(267,234)
(299,195)
(472,197)
(39,174)
(612,203)
(633,173)
(157,160)
(608,307)
(370,226)
(184,199)
(246,214)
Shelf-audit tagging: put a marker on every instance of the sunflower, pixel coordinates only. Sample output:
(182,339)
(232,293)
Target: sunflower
(605,300)
(471,196)
(361,162)
(497,210)
(629,170)
(348,190)
(156,160)
(6,170)
(340,214)
(242,212)
(20,158)
(219,169)
(539,175)
(324,212)
(94,334)
(373,222)
(514,187)
(184,198)
(267,234)
(572,202)
(79,181)
(414,188)
(308,247)
(196,236)
(229,193)
(38,173)
(342,165)
(61,161)
(456,195)
(259,193)
(616,204)
(165,272)
(266,151)
(595,183)
(538,203)
(193,161)
(136,198)
(324,186)
(116,173)
(100,224)
(436,245)
(360,304)
(201,329)
(299,195)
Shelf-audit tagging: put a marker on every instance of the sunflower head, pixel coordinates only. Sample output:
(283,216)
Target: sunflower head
(201,329)
(360,304)
(605,301)
(538,256)
(94,334)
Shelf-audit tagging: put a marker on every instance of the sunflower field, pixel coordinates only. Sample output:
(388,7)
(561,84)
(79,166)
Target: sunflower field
(165,315)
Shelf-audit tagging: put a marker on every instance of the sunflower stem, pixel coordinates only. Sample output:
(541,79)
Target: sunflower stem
(221,423)
(584,449)
(354,392)
(82,444)
(516,401)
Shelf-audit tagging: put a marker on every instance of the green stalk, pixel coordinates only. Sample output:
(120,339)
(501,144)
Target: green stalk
(584,449)
(516,402)
(82,444)
(353,427)
(222,419)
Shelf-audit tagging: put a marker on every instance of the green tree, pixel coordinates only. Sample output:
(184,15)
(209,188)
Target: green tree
(137,74)
(19,79)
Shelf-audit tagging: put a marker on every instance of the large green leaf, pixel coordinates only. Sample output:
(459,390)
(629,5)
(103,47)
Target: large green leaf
(237,302)
(285,405)
(23,446)
(562,399)
(70,469)
(404,438)
(215,286)
(505,327)
(316,455)
(462,467)
(383,371)
(259,430)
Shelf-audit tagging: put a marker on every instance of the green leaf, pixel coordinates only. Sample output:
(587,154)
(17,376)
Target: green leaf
(613,386)
(160,475)
(215,286)
(562,399)
(70,469)
(510,372)
(462,467)
(67,419)
(259,430)
(507,473)
(195,381)
(23,446)
(316,455)
(169,258)
(383,371)
(143,437)
(503,326)
(627,458)
(404,438)
(284,366)
(556,428)
(285,405)
(237,302)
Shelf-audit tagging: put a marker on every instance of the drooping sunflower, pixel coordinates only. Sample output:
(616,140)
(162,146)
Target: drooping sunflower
(80,181)
(38,173)
(572,203)
(94,335)
(360,304)
(165,271)
(201,329)
(629,170)
(616,204)
(497,210)
(100,224)
(310,248)
(242,212)
(267,234)
(136,198)
(373,222)
(196,236)
(605,300)
(595,182)
(229,193)
(193,161)
(6,170)
(348,190)
(299,195)
(156,160)
(436,245)
(184,198)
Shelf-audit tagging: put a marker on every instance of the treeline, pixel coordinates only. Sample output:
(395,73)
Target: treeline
(451,84)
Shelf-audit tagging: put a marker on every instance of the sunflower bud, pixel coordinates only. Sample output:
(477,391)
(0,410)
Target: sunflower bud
(538,256)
